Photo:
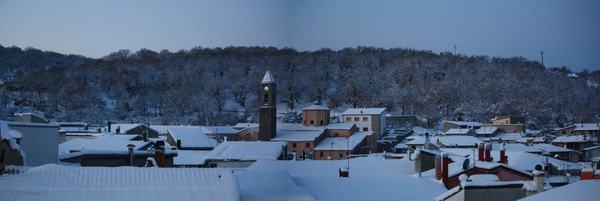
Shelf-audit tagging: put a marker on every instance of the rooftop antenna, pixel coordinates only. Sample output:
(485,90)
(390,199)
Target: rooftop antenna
(455,49)
(542,54)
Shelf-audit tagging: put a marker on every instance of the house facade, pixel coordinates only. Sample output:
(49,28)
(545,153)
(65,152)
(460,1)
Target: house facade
(366,119)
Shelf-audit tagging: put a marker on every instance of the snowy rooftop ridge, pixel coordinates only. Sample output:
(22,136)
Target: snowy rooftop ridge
(343,143)
(58,182)
(316,107)
(245,150)
(364,111)
(268,78)
(571,138)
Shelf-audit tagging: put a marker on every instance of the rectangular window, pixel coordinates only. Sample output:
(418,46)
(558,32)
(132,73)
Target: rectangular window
(341,155)
(365,118)
(321,154)
(307,145)
(365,129)
(294,145)
(356,119)
(348,119)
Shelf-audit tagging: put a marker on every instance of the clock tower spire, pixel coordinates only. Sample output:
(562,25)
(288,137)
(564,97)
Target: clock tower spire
(267,113)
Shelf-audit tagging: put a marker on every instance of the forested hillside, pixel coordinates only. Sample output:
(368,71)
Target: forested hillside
(219,86)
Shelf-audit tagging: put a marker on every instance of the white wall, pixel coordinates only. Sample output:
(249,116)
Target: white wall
(39,142)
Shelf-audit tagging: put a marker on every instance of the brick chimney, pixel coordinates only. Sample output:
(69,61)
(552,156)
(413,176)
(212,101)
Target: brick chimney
(503,157)
(441,168)
(480,152)
(159,153)
(488,151)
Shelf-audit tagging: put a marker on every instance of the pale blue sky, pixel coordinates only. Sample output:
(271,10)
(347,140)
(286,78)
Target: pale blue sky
(567,31)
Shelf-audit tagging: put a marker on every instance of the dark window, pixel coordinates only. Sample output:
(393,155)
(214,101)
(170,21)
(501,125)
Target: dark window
(348,119)
(321,122)
(365,129)
(294,145)
(321,154)
(266,98)
(312,122)
(356,119)
(341,155)
(307,145)
(365,118)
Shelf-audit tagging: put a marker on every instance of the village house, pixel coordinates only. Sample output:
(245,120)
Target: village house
(366,119)
(591,129)
(113,150)
(508,124)
(461,124)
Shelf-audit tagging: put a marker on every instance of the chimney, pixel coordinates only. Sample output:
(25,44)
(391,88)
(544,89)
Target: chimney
(480,152)
(130,149)
(445,161)
(418,163)
(538,179)
(109,124)
(145,136)
(159,153)
(503,157)
(488,150)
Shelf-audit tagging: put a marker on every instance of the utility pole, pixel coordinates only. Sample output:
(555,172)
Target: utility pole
(542,54)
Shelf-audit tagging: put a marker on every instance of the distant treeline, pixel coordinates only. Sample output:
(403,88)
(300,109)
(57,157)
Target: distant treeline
(219,85)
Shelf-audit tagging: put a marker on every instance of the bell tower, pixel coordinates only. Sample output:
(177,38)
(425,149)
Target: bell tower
(267,113)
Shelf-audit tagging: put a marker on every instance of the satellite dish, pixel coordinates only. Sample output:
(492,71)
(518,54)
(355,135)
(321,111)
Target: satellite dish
(466,164)
(538,167)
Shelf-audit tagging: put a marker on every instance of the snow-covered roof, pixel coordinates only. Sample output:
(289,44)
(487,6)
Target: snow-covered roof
(219,130)
(316,107)
(457,131)
(342,143)
(297,127)
(344,126)
(268,78)
(271,184)
(297,135)
(582,191)
(447,140)
(243,150)
(587,126)
(465,123)
(571,138)
(486,130)
(241,126)
(371,188)
(516,147)
(371,166)
(58,182)
(551,148)
(364,111)
(519,160)
(126,127)
(192,137)
(104,144)
(4,130)
(190,157)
